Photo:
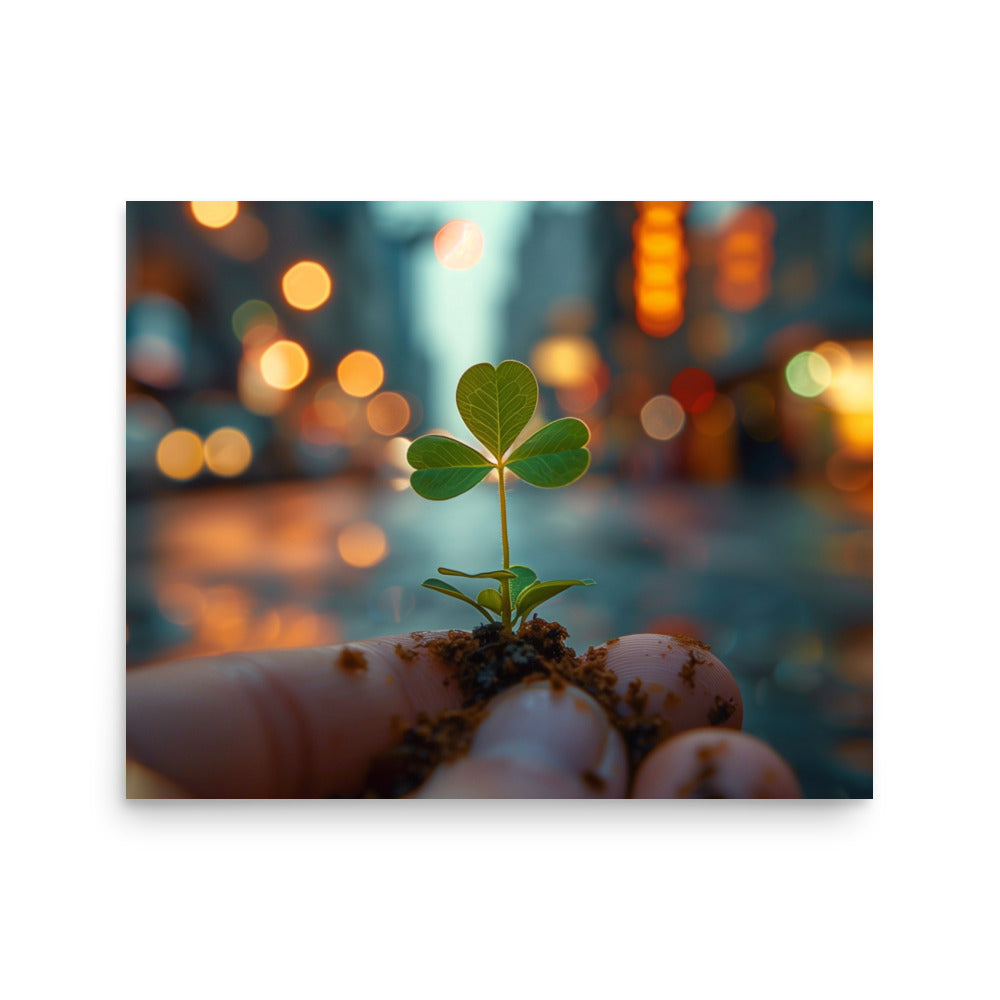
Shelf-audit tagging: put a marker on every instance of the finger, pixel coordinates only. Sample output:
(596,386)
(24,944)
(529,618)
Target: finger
(681,681)
(538,742)
(297,722)
(715,764)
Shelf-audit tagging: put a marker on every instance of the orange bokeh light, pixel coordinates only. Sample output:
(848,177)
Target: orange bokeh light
(362,544)
(580,398)
(660,262)
(180,455)
(856,432)
(563,360)
(388,413)
(658,324)
(254,393)
(214,214)
(458,244)
(306,285)
(329,409)
(360,373)
(846,473)
(658,273)
(716,418)
(657,245)
(744,256)
(662,301)
(228,452)
(284,365)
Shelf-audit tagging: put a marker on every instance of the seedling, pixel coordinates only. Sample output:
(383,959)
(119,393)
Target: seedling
(496,405)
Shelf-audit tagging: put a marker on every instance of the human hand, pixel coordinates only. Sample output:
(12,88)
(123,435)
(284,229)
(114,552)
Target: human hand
(307,723)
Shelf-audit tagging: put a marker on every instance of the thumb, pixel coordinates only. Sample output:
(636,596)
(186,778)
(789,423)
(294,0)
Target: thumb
(538,741)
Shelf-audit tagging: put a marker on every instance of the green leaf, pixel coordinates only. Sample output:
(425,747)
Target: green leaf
(497,403)
(554,455)
(444,467)
(490,598)
(523,577)
(536,593)
(448,590)
(493,574)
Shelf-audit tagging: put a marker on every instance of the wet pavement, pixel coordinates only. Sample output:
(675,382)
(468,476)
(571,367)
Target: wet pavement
(777,581)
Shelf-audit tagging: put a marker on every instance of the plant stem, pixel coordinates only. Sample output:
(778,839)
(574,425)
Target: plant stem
(504,584)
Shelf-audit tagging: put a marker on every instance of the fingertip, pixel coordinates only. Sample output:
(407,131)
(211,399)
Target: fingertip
(538,741)
(718,764)
(676,678)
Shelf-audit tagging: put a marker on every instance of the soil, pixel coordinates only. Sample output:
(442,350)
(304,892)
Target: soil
(486,662)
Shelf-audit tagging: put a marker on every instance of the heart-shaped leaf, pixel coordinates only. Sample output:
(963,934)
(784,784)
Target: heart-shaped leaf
(493,574)
(448,590)
(497,403)
(444,467)
(536,593)
(554,455)
(490,598)
(523,577)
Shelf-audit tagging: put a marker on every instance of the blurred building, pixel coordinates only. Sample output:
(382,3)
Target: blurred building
(684,334)
(208,297)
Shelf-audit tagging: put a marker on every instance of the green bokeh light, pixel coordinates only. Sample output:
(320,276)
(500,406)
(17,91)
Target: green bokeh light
(808,374)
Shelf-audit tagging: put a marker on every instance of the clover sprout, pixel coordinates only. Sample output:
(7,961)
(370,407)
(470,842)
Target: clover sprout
(496,405)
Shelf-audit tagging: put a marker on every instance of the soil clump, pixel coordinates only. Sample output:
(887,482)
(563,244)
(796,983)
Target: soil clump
(488,661)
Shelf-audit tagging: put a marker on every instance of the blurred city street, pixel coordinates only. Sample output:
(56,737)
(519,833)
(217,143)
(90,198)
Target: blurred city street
(778,582)
(282,357)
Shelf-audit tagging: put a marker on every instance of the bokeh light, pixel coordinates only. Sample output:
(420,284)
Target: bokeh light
(214,214)
(306,285)
(580,398)
(744,257)
(660,261)
(251,314)
(360,373)
(257,339)
(395,453)
(331,409)
(284,364)
(180,454)
(157,341)
(565,360)
(256,394)
(388,413)
(228,452)
(808,374)
(693,388)
(846,473)
(362,544)
(458,244)
(855,432)
(836,356)
(662,417)
(716,418)
(245,239)
(320,427)
(851,386)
